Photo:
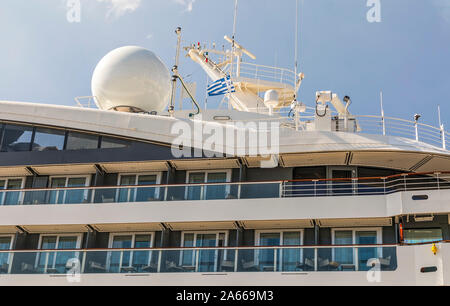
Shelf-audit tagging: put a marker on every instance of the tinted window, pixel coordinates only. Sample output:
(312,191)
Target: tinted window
(48,140)
(109,142)
(16,138)
(310,173)
(79,141)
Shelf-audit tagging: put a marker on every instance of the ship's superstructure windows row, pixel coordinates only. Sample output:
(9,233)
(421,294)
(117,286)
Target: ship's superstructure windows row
(267,250)
(20,138)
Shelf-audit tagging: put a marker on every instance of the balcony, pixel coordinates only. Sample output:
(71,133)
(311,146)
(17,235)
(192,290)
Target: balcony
(201,260)
(227,191)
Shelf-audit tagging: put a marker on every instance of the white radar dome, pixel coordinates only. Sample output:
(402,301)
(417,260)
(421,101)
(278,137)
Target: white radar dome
(131,79)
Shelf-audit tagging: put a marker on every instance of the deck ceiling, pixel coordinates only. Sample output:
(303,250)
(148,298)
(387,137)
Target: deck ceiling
(436,163)
(134,166)
(128,227)
(13,171)
(8,229)
(65,169)
(396,160)
(206,164)
(355,222)
(51,229)
(277,224)
(314,159)
(198,226)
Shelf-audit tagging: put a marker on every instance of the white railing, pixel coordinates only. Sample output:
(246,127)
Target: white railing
(86,102)
(226,191)
(267,73)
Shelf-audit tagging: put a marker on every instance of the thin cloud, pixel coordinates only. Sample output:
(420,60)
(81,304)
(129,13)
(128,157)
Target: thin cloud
(188,4)
(118,8)
(443,7)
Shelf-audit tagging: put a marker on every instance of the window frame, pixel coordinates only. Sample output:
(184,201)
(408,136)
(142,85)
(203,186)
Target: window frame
(119,178)
(378,230)
(11,244)
(202,185)
(132,250)
(67,177)
(54,251)
(281,232)
(196,233)
(35,131)
(22,186)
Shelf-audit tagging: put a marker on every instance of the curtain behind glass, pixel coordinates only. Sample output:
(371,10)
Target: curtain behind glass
(291,257)
(5,244)
(343,255)
(146,193)
(267,256)
(195,192)
(127,194)
(216,192)
(13,198)
(364,254)
(120,259)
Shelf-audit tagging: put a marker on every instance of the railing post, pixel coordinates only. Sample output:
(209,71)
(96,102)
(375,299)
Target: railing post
(416,127)
(437,179)
(166,188)
(315,188)
(236,255)
(275,252)
(404,182)
(316,259)
(158,269)
(197,255)
(355,186)
(239,190)
(444,145)
(83,262)
(281,189)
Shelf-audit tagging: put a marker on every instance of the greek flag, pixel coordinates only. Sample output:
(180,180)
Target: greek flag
(221,87)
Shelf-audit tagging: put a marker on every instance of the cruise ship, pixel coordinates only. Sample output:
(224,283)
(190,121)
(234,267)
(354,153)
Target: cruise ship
(128,187)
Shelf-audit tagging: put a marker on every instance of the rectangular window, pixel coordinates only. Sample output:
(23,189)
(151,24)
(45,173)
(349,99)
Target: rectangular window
(55,262)
(5,258)
(139,194)
(422,235)
(48,140)
(16,138)
(114,143)
(80,141)
(131,261)
(208,260)
(12,197)
(213,191)
(353,258)
(77,195)
(286,259)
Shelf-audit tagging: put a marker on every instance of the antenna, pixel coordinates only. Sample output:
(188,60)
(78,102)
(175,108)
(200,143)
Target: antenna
(439,115)
(233,49)
(296,46)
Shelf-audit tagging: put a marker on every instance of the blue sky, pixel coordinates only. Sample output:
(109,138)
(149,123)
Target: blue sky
(47,59)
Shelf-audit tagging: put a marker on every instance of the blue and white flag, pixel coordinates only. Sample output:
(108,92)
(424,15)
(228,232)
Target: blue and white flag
(221,87)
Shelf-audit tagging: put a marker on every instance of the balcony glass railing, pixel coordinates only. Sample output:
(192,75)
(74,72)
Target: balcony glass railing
(202,260)
(227,191)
